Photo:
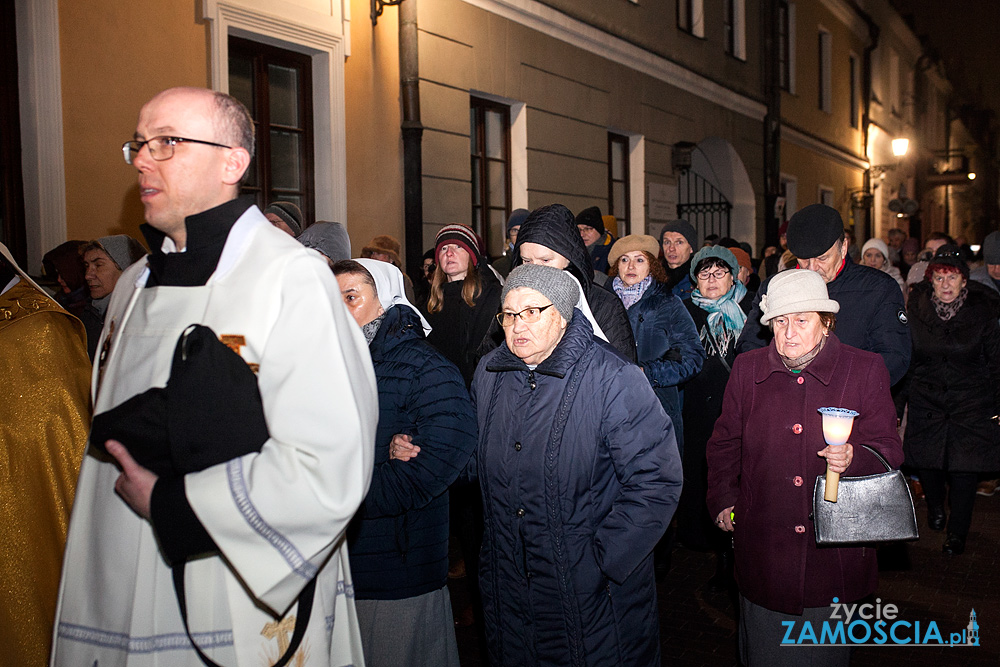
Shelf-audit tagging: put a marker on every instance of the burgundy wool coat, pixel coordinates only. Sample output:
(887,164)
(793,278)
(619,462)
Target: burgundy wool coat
(762,459)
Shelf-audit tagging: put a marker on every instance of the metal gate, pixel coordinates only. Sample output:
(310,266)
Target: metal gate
(701,204)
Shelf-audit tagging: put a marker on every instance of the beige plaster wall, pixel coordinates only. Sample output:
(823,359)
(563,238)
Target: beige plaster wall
(572,97)
(814,170)
(802,109)
(373,119)
(116,55)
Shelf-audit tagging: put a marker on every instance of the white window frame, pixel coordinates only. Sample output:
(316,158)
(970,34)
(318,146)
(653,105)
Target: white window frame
(791,184)
(518,146)
(825,195)
(825,70)
(321,36)
(854,64)
(740,30)
(895,104)
(636,179)
(792,39)
(697,18)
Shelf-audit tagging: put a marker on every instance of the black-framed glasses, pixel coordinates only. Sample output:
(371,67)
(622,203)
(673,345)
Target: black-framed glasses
(528,315)
(718,274)
(160,148)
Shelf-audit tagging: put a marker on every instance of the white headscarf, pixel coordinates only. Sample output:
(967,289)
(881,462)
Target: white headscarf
(584,307)
(389,285)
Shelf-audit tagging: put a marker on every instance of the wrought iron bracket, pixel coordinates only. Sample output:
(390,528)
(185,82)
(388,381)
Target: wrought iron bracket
(379,5)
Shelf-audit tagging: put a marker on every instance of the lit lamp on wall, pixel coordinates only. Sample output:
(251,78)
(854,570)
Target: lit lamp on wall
(899,149)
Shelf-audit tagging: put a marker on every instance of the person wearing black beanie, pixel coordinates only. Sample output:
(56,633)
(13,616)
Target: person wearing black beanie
(595,236)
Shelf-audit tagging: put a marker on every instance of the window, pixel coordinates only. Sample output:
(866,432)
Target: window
(825,71)
(489,144)
(619,182)
(825,195)
(729,25)
(786,45)
(690,17)
(894,104)
(855,75)
(276,86)
(734,28)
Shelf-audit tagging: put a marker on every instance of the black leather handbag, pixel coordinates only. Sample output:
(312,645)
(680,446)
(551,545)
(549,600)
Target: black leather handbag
(873,508)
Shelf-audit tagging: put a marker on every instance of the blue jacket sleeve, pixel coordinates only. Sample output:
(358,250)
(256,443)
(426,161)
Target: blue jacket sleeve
(643,450)
(682,337)
(445,431)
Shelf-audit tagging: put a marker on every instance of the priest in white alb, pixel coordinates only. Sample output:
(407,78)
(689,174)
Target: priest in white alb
(249,534)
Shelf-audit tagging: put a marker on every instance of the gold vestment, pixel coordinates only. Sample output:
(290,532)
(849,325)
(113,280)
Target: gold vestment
(44,419)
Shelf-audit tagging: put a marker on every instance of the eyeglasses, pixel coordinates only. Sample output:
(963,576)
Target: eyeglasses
(160,148)
(528,315)
(717,275)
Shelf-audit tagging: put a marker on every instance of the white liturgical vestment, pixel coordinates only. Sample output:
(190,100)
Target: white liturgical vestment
(278,516)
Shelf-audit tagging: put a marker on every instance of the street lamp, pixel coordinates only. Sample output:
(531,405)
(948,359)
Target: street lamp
(899,147)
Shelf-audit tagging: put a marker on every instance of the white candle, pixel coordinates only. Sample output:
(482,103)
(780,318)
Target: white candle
(836,429)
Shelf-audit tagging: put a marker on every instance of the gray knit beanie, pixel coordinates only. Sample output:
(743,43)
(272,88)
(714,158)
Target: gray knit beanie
(123,250)
(289,212)
(554,284)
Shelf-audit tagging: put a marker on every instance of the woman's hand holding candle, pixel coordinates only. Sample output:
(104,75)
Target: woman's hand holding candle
(838,457)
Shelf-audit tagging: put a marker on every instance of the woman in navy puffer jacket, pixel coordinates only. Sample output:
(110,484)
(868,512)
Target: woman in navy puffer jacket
(667,345)
(398,541)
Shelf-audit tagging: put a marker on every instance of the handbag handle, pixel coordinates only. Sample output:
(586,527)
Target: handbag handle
(301,619)
(888,467)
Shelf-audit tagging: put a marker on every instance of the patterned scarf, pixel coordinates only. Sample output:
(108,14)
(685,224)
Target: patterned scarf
(803,361)
(629,295)
(370,329)
(725,317)
(946,311)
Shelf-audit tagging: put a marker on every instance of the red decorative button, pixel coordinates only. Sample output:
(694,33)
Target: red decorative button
(797,429)
(801,380)
(797,481)
(800,529)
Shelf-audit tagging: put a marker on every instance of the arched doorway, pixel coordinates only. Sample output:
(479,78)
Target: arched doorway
(715,195)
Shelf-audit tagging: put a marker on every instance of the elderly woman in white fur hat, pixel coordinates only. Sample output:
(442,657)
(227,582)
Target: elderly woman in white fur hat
(765,454)
(875,254)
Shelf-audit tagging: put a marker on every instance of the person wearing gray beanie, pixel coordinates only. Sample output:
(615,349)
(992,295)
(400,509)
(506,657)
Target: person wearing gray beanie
(989,273)
(104,260)
(554,284)
(286,216)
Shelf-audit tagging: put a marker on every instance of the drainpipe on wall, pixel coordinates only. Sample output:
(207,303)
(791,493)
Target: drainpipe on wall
(866,103)
(772,120)
(413,130)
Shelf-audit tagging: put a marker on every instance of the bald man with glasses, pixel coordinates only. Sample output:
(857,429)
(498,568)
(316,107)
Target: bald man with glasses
(222,565)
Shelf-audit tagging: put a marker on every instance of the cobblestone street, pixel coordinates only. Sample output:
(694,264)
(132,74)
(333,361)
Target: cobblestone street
(699,628)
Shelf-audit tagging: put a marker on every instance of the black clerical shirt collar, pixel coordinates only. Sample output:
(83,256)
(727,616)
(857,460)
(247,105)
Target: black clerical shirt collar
(206,236)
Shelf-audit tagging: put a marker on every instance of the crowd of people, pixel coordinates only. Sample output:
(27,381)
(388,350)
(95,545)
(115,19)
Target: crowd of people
(553,420)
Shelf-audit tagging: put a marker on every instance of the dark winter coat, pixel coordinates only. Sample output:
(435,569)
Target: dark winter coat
(563,237)
(398,541)
(954,383)
(458,330)
(871,317)
(667,348)
(600,251)
(679,280)
(762,460)
(702,406)
(580,477)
